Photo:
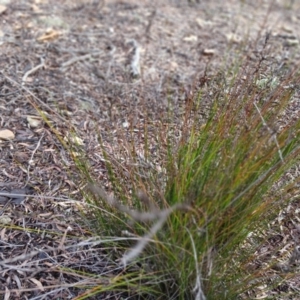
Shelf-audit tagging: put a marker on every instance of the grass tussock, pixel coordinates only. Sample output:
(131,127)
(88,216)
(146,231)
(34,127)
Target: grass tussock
(193,232)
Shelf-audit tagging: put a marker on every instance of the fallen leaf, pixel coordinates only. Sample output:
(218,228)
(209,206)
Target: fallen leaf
(203,23)
(35,8)
(292,42)
(294,19)
(74,139)
(6,134)
(3,8)
(3,234)
(1,37)
(190,38)
(209,52)
(287,28)
(233,37)
(38,283)
(125,124)
(173,66)
(5,220)
(7,294)
(34,121)
(50,34)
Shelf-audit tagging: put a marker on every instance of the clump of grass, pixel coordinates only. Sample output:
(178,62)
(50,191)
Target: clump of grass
(226,172)
(225,181)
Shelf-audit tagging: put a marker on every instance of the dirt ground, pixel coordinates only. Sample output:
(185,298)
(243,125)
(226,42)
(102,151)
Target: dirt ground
(101,67)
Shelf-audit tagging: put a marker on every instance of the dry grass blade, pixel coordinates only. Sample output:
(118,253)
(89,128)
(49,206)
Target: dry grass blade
(273,135)
(134,214)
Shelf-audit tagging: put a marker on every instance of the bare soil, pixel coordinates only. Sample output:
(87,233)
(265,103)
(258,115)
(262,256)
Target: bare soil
(100,67)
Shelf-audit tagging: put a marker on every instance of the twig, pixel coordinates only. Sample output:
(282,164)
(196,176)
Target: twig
(5,206)
(111,55)
(81,51)
(63,239)
(31,158)
(79,58)
(149,25)
(135,68)
(33,70)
